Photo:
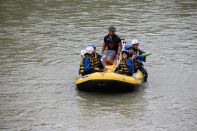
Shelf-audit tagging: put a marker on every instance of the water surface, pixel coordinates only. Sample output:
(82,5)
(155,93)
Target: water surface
(40,42)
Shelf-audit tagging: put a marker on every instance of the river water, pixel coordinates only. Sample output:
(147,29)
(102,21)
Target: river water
(40,42)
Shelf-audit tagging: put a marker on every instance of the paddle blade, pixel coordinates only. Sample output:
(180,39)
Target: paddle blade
(146,54)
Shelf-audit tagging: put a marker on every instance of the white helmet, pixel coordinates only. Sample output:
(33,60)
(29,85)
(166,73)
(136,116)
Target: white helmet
(135,41)
(83,52)
(89,49)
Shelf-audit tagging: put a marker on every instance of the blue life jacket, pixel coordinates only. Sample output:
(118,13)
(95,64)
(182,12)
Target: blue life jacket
(86,65)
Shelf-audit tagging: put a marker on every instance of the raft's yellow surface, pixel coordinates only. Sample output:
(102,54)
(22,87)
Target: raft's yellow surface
(136,79)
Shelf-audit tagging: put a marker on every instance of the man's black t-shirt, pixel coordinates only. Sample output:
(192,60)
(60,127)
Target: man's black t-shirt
(112,42)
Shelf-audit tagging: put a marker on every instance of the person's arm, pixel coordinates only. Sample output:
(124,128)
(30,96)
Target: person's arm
(87,64)
(130,66)
(101,66)
(100,62)
(117,68)
(99,56)
(119,50)
(140,57)
(104,47)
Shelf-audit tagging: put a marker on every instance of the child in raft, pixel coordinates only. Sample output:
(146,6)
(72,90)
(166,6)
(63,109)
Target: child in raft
(126,64)
(98,65)
(86,64)
(136,54)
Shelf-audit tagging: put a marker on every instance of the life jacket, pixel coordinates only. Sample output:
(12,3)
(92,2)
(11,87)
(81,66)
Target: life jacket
(81,69)
(95,59)
(135,61)
(123,66)
(136,52)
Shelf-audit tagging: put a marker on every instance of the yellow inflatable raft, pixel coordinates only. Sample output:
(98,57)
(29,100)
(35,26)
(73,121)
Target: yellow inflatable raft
(108,81)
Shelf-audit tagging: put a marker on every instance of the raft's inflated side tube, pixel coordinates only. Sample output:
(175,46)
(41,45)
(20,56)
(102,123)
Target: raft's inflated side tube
(108,81)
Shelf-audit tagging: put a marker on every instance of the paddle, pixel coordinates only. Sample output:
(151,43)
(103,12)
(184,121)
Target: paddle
(146,54)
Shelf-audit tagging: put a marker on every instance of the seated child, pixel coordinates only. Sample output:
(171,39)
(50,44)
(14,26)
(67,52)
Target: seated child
(137,52)
(98,65)
(126,64)
(87,65)
(135,58)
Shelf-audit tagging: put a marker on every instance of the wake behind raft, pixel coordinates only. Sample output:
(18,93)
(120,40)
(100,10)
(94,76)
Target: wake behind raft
(109,81)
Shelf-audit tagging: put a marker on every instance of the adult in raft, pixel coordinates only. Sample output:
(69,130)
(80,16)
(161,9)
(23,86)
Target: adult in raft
(112,47)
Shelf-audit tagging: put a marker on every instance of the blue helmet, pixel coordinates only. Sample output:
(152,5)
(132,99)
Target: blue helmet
(93,45)
(128,45)
(125,51)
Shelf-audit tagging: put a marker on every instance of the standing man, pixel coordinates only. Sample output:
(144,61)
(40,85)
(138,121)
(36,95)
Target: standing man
(112,47)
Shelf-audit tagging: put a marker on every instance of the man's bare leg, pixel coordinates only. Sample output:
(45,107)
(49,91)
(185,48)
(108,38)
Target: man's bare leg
(110,60)
(104,60)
